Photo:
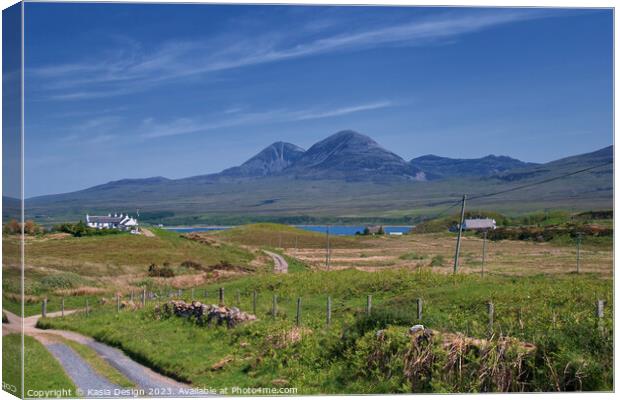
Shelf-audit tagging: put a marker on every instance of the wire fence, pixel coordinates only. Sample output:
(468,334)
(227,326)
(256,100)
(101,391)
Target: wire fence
(474,319)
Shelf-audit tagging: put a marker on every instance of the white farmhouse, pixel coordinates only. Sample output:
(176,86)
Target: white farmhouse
(120,222)
(479,224)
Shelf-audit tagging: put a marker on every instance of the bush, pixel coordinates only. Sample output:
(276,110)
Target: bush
(192,264)
(30,227)
(65,280)
(12,227)
(161,272)
(549,233)
(81,229)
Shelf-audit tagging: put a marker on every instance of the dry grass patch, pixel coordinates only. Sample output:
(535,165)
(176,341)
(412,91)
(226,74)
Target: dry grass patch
(80,291)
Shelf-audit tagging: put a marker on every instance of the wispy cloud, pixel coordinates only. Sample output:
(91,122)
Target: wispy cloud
(131,69)
(93,131)
(341,111)
(151,128)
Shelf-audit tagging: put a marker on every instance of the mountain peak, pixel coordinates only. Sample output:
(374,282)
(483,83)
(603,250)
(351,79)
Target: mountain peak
(277,150)
(272,159)
(353,156)
(350,136)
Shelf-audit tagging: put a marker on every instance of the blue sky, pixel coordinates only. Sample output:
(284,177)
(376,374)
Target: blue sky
(127,91)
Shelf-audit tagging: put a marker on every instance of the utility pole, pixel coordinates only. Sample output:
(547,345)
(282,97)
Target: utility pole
(484,250)
(458,239)
(578,250)
(327,250)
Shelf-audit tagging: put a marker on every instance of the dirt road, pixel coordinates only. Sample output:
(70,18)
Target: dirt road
(279,263)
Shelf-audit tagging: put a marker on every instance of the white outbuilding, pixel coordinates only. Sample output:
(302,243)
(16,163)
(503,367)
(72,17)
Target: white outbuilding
(479,224)
(120,222)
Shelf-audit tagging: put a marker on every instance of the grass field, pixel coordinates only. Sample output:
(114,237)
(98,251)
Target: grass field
(508,257)
(42,371)
(554,313)
(277,235)
(544,335)
(89,268)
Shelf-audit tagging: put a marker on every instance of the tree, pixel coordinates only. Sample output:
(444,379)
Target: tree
(12,227)
(381,231)
(31,228)
(80,229)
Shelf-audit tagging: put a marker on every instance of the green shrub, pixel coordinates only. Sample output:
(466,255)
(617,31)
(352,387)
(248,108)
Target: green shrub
(81,229)
(64,280)
(162,272)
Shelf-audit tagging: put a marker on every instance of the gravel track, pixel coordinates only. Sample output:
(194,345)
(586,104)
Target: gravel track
(81,373)
(152,383)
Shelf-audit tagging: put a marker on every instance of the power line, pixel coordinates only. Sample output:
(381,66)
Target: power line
(527,185)
(448,209)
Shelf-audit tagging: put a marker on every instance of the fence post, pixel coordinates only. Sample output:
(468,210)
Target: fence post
(490,312)
(298,314)
(144,297)
(419,307)
(274,306)
(600,306)
(238,298)
(368,304)
(44,308)
(179,293)
(329,310)
(118,302)
(254,302)
(192,299)
(62,307)
(221,296)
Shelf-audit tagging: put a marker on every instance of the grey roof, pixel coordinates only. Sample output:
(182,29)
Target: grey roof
(104,219)
(479,223)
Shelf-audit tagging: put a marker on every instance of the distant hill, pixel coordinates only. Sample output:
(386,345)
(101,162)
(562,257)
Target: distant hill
(435,167)
(568,164)
(346,174)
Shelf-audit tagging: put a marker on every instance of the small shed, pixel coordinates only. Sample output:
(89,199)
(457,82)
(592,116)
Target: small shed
(479,224)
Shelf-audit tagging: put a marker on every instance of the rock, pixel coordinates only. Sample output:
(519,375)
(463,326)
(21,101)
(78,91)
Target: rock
(416,328)
(209,313)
